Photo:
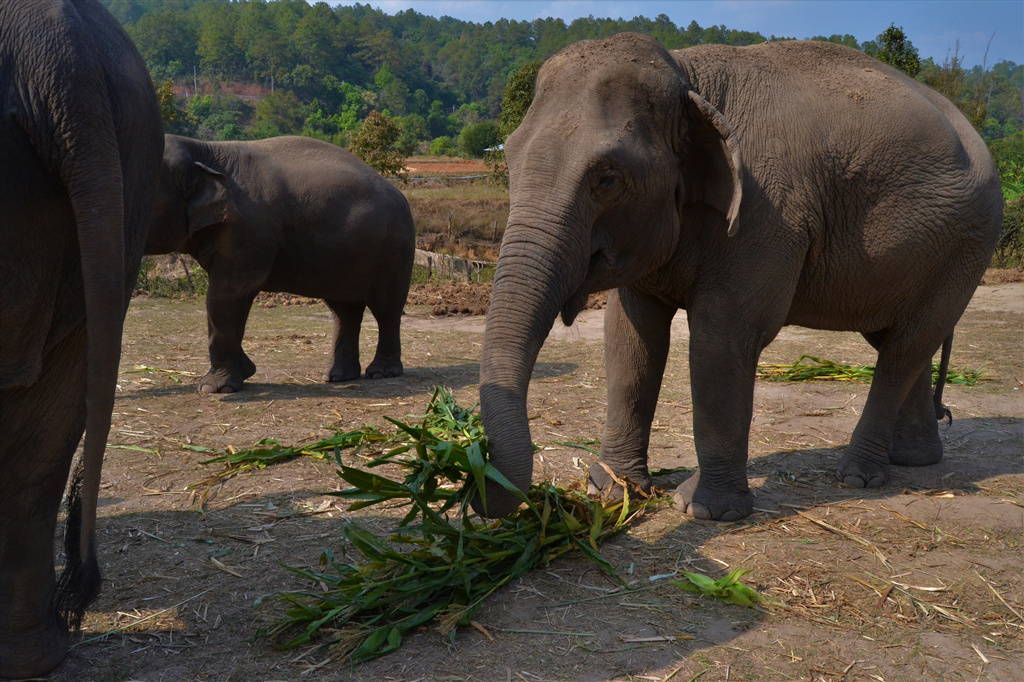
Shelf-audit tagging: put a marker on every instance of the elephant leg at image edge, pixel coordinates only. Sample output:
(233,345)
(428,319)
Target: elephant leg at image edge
(723,363)
(226,314)
(637,339)
(42,426)
(387,361)
(898,423)
(348,319)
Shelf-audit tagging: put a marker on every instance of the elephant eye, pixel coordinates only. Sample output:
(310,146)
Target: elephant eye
(607,183)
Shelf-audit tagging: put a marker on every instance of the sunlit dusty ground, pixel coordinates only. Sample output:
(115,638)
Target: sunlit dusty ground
(946,603)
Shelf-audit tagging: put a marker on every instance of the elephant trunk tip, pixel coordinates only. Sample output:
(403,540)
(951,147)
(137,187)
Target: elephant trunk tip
(79,582)
(500,503)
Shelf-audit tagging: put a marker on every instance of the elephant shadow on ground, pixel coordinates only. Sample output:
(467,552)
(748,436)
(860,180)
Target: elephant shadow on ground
(414,381)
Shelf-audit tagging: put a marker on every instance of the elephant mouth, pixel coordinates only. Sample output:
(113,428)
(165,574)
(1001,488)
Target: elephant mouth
(577,301)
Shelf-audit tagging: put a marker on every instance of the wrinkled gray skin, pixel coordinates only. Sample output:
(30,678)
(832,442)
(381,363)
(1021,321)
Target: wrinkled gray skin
(287,214)
(74,208)
(787,183)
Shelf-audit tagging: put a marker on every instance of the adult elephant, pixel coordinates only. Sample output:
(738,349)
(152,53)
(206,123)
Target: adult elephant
(81,142)
(785,183)
(287,214)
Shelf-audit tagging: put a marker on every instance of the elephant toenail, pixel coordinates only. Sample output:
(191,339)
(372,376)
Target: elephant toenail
(731,515)
(699,511)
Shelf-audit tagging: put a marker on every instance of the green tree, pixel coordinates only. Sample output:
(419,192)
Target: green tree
(896,50)
(279,113)
(442,146)
(374,143)
(177,121)
(953,82)
(476,137)
(518,97)
(414,131)
(845,39)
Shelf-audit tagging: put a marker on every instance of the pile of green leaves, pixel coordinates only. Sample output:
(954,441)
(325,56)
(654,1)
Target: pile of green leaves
(443,560)
(826,370)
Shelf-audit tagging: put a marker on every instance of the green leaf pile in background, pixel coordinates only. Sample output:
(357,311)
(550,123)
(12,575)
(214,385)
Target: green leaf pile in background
(826,370)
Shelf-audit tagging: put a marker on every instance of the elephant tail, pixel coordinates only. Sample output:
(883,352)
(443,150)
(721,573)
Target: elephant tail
(941,411)
(89,162)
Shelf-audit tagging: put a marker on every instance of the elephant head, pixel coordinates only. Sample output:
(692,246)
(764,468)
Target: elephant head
(192,196)
(612,147)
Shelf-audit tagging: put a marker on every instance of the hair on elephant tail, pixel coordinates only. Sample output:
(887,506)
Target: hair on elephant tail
(79,582)
(941,411)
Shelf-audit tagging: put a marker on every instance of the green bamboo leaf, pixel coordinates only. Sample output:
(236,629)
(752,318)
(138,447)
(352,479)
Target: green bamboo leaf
(478,466)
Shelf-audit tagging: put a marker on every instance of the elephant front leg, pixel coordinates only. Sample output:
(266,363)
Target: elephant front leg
(348,319)
(227,310)
(637,333)
(723,364)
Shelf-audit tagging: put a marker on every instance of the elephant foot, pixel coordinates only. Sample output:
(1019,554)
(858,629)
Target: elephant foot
(226,380)
(697,501)
(384,369)
(863,471)
(342,372)
(32,653)
(918,447)
(600,482)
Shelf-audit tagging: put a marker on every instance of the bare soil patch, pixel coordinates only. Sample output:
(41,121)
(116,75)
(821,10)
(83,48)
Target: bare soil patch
(436,165)
(1002,276)
(941,606)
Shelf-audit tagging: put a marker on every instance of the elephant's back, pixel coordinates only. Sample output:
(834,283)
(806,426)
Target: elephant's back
(812,110)
(861,166)
(318,173)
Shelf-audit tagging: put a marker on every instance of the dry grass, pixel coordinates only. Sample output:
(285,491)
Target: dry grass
(463,218)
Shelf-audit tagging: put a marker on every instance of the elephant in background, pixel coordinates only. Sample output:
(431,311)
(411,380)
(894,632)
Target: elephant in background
(289,214)
(755,187)
(81,141)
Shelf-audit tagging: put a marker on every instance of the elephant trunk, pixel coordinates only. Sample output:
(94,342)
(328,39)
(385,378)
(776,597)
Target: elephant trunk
(543,261)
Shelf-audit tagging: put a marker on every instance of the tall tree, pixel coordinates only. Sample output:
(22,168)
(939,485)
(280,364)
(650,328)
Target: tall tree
(896,50)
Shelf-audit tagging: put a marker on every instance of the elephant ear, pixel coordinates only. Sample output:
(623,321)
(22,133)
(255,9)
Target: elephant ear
(713,168)
(211,201)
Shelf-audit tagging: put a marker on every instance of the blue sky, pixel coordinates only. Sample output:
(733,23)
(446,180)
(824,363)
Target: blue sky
(933,26)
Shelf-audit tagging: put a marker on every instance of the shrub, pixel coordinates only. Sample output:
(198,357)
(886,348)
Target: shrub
(195,283)
(374,143)
(1010,247)
(441,146)
(476,137)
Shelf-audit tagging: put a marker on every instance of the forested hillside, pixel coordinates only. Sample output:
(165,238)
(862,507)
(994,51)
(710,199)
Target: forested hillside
(264,69)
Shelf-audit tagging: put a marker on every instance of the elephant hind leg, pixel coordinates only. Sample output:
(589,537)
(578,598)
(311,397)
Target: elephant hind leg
(348,319)
(916,435)
(893,426)
(387,361)
(916,439)
(42,425)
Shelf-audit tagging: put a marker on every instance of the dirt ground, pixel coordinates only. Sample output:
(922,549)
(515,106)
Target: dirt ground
(434,165)
(918,580)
